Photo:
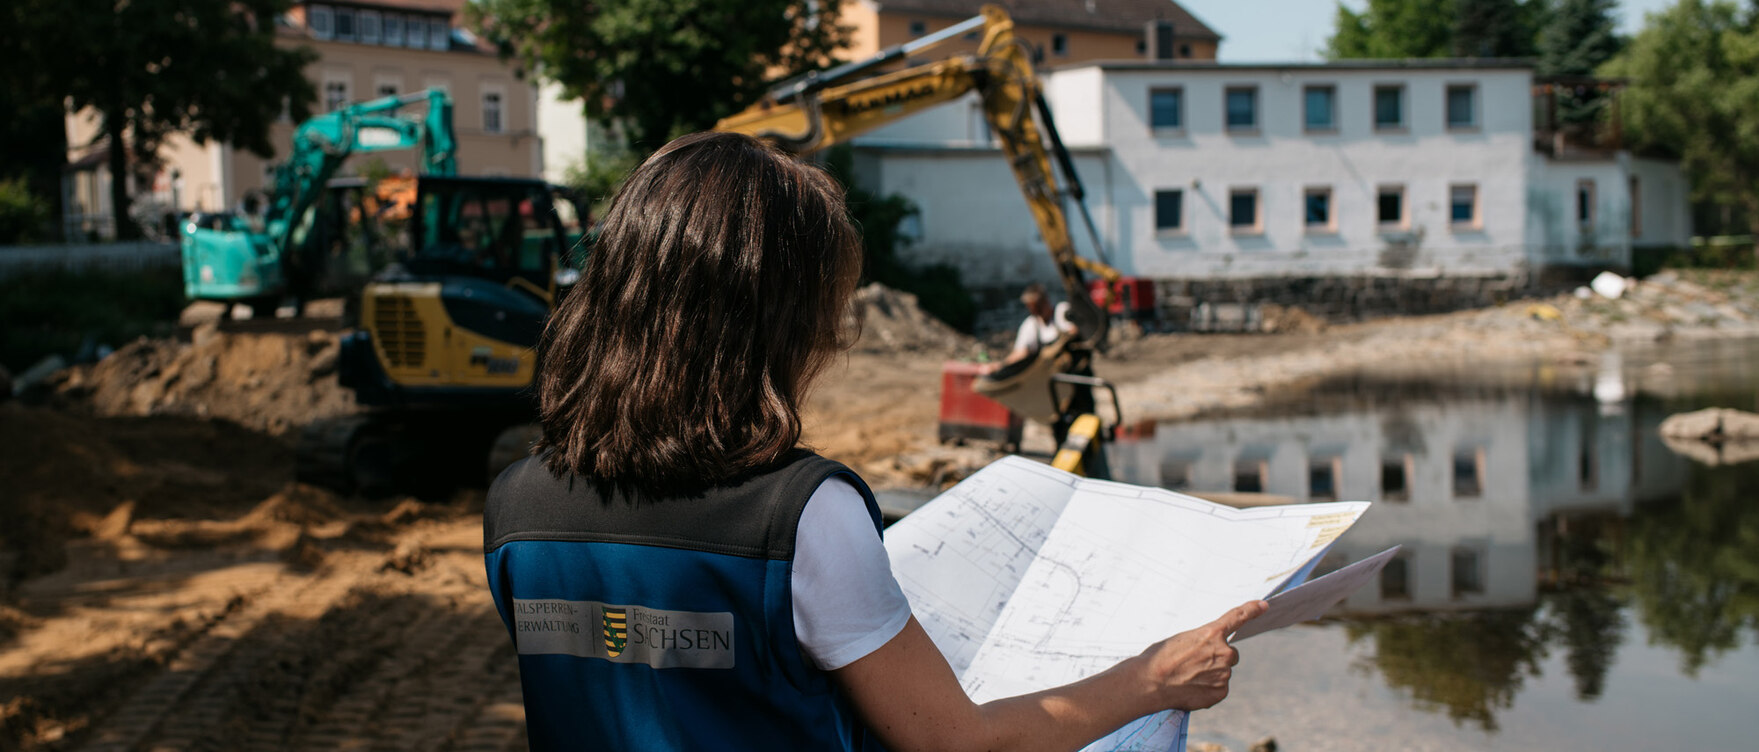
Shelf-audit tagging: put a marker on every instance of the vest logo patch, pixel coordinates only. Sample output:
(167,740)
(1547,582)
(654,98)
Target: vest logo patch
(624,633)
(616,630)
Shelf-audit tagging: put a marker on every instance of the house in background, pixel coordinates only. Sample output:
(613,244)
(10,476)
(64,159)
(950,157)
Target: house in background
(1345,188)
(365,50)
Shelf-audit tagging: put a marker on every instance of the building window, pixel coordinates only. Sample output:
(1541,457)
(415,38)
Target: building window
(1142,47)
(1317,210)
(918,28)
(439,35)
(1395,578)
(321,22)
(1463,206)
(1242,107)
(369,27)
(1166,109)
(1395,484)
(344,25)
(1462,106)
(1390,206)
(1585,202)
(492,112)
(1175,473)
(1184,50)
(1389,107)
(415,35)
(1636,208)
(439,84)
(386,87)
(335,94)
(1323,477)
(1468,572)
(1318,112)
(1169,211)
(1250,475)
(393,31)
(1059,45)
(1243,210)
(1468,473)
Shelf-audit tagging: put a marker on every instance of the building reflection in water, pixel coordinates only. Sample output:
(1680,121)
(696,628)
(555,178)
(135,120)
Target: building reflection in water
(1530,523)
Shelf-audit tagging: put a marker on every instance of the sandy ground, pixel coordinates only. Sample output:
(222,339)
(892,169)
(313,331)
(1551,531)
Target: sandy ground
(165,585)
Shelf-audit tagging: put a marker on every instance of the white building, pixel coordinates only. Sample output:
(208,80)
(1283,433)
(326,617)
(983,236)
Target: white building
(1413,170)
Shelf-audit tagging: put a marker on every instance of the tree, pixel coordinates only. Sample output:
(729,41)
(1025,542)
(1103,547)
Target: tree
(1394,29)
(659,68)
(1437,28)
(1693,86)
(1578,36)
(209,69)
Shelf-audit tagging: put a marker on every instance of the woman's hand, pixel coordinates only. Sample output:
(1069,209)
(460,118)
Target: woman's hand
(1191,670)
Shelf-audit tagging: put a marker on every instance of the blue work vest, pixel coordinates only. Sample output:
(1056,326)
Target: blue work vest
(662,624)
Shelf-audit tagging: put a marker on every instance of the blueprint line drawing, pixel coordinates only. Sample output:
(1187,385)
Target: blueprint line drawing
(1028,577)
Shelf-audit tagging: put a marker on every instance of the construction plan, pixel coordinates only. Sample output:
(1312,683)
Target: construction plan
(1028,577)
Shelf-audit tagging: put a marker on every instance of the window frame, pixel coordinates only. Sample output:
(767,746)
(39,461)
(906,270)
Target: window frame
(1473,583)
(384,81)
(1257,226)
(1407,465)
(1476,454)
(1330,226)
(439,34)
(1476,222)
(389,22)
(321,31)
(1587,203)
(917,28)
(1404,221)
(1472,103)
(1179,110)
(415,32)
(500,109)
(1059,44)
(1331,91)
(368,26)
(1228,93)
(1403,124)
(342,81)
(1334,466)
(1169,230)
(1636,188)
(353,32)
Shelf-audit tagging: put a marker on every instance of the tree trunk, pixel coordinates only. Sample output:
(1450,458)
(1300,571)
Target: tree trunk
(114,123)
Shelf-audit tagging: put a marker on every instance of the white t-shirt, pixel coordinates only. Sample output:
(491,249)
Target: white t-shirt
(1034,333)
(846,602)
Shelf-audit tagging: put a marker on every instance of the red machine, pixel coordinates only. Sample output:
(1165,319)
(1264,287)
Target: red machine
(1131,296)
(966,414)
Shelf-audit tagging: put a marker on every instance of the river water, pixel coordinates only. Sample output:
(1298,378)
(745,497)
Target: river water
(1567,580)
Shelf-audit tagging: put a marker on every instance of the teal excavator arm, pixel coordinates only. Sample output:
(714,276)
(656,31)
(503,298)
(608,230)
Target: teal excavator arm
(242,263)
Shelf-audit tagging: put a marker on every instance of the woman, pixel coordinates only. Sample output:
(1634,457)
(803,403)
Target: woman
(675,572)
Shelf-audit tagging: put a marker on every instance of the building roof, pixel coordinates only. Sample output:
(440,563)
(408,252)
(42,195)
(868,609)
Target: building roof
(1125,16)
(448,7)
(1427,63)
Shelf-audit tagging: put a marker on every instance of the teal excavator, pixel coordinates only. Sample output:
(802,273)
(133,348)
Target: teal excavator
(262,260)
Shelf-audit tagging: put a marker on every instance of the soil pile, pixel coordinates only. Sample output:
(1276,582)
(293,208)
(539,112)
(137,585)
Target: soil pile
(271,383)
(892,322)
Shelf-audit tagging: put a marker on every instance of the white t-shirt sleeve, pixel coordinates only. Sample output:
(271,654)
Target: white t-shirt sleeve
(1060,318)
(846,602)
(1027,338)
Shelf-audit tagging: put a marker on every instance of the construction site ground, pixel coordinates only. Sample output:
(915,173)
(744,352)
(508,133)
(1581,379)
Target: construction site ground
(165,584)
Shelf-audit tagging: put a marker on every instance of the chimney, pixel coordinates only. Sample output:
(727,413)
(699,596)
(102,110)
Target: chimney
(1160,40)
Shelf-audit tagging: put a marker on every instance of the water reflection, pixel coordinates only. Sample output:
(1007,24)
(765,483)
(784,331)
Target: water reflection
(1533,523)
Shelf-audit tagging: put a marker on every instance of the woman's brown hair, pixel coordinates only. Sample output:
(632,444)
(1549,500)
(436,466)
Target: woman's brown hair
(716,291)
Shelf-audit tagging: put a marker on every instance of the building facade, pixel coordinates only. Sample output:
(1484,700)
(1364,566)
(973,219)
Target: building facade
(1232,180)
(366,50)
(1065,31)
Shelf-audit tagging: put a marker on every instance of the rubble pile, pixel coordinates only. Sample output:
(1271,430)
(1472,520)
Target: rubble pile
(273,383)
(892,322)
(1665,305)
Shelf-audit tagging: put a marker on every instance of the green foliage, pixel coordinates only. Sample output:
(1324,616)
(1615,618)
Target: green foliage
(938,288)
(600,174)
(1470,665)
(1394,29)
(662,68)
(23,216)
(45,313)
(1694,565)
(1436,28)
(1577,38)
(1693,73)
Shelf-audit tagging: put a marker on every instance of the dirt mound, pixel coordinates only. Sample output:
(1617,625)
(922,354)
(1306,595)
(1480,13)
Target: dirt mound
(272,383)
(1290,320)
(892,322)
(65,475)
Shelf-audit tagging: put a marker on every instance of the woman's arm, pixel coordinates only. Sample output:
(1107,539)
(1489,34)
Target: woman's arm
(911,700)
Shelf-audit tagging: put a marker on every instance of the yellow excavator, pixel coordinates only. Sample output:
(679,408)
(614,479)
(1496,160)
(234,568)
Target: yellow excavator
(823,109)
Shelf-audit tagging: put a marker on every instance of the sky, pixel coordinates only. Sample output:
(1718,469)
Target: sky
(1294,30)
